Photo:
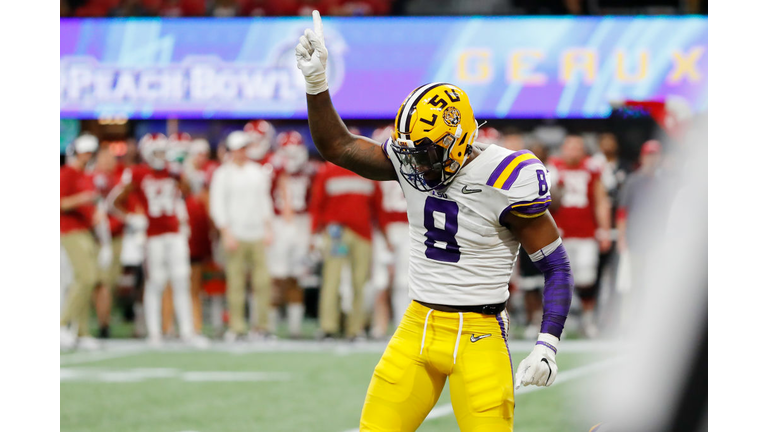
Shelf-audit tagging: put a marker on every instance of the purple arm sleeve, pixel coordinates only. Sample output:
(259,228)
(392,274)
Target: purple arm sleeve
(558,289)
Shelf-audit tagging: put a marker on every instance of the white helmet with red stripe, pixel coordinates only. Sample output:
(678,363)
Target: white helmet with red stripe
(261,134)
(178,146)
(292,152)
(153,148)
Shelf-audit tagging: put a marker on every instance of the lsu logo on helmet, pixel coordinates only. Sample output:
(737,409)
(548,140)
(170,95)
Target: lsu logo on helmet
(430,151)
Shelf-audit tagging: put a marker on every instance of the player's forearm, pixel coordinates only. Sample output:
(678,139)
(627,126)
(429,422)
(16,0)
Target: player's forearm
(329,133)
(602,208)
(74,201)
(553,262)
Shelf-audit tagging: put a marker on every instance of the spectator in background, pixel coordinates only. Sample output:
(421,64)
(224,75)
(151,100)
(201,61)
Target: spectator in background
(512,139)
(225,8)
(583,216)
(78,215)
(242,210)
(198,171)
(106,176)
(341,207)
(288,254)
(635,208)
(614,172)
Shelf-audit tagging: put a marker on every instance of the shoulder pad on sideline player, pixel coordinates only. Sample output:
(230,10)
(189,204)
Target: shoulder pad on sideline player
(524,180)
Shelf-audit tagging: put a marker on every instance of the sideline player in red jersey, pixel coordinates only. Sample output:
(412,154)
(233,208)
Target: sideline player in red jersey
(288,255)
(584,219)
(198,171)
(167,257)
(106,176)
(78,215)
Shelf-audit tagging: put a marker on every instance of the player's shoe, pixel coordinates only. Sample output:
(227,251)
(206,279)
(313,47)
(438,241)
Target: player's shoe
(261,336)
(231,337)
(68,339)
(196,341)
(88,343)
(588,326)
(324,337)
(155,342)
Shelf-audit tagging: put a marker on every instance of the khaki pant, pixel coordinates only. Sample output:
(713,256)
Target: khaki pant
(81,250)
(359,257)
(109,276)
(253,255)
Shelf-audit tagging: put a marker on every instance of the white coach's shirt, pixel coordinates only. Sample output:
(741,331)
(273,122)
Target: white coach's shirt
(460,253)
(240,199)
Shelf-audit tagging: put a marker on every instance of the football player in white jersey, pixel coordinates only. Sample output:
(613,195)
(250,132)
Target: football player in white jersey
(469,210)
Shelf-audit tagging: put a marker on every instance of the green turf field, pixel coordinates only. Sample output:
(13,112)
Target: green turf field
(283,386)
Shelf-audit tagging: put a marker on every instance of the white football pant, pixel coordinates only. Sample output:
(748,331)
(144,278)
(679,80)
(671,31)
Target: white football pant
(168,259)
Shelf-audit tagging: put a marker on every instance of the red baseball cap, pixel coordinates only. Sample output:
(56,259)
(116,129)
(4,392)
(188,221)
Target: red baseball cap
(649,147)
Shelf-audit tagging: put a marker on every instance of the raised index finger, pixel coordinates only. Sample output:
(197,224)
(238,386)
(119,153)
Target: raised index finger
(318,24)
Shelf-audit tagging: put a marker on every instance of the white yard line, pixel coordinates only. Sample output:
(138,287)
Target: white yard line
(107,375)
(121,348)
(568,375)
(81,357)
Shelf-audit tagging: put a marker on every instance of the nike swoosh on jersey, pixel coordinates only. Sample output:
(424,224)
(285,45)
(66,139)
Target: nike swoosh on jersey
(474,338)
(467,190)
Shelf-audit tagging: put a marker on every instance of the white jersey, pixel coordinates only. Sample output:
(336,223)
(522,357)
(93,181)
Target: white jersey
(460,253)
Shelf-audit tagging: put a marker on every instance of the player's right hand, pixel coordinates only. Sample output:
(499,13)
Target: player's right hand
(312,56)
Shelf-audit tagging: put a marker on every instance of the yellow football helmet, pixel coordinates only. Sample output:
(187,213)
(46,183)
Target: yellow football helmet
(434,132)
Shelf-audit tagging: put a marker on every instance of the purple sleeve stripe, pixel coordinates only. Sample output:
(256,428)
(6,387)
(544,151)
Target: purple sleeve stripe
(526,208)
(548,345)
(500,169)
(516,172)
(531,209)
(558,290)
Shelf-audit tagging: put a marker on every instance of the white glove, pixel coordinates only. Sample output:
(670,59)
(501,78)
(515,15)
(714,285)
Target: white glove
(539,368)
(312,56)
(105,257)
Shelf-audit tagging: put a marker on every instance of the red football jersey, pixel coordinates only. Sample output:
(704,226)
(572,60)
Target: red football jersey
(73,182)
(158,193)
(576,214)
(299,188)
(340,196)
(390,204)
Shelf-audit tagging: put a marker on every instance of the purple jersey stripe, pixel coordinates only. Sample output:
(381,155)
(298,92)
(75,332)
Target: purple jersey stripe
(500,168)
(516,172)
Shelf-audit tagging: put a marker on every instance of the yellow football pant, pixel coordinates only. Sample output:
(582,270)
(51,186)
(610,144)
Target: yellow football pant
(411,374)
